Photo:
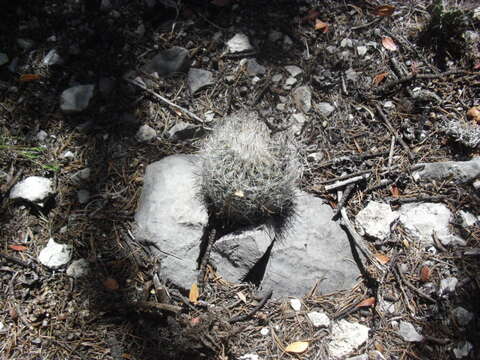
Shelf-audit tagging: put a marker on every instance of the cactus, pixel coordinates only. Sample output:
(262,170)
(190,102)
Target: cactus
(246,175)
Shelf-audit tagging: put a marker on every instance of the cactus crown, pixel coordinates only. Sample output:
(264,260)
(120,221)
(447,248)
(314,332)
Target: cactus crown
(247,176)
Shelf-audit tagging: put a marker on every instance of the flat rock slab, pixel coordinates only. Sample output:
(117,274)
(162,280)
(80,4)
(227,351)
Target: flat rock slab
(76,98)
(315,248)
(169,61)
(459,172)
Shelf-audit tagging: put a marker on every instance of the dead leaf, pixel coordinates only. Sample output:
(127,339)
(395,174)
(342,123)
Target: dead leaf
(194,293)
(425,273)
(242,297)
(384,10)
(195,321)
(367,302)
(111,284)
(311,16)
(320,25)
(383,259)
(474,114)
(395,191)
(18,247)
(297,347)
(29,77)
(13,313)
(379,78)
(389,44)
(476,66)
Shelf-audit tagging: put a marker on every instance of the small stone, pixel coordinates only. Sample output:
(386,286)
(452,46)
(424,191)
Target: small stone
(277,78)
(347,337)
(302,97)
(199,79)
(293,70)
(287,42)
(25,44)
(290,82)
(83,196)
(183,131)
(264,331)
(145,133)
(468,219)
(462,316)
(55,255)
(239,43)
(3,328)
(209,116)
(3,59)
(35,189)
(41,136)
(274,36)
(81,176)
(447,286)
(325,108)
(375,220)
(249,357)
(362,50)
(351,75)
(331,49)
(346,43)
(389,105)
(255,80)
(319,319)
(296,304)
(76,98)
(315,157)
(169,61)
(462,350)
(78,268)
(254,68)
(52,58)
(476,13)
(408,332)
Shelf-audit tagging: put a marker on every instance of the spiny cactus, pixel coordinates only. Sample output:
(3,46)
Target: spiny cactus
(246,175)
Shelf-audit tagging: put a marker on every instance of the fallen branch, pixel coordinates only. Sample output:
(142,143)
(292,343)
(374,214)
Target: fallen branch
(165,100)
(340,184)
(413,288)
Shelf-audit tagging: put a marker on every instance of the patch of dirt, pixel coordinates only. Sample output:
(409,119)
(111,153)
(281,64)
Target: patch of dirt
(45,314)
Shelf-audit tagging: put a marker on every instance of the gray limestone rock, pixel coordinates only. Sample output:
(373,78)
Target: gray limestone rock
(55,255)
(169,61)
(325,108)
(254,68)
(199,79)
(314,248)
(302,97)
(76,98)
(408,332)
(239,43)
(459,171)
(145,133)
(170,215)
(78,268)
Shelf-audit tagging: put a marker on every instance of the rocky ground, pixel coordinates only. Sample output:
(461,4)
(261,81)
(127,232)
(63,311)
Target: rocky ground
(94,91)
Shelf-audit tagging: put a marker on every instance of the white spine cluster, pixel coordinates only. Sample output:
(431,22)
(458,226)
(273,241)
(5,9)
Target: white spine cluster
(246,175)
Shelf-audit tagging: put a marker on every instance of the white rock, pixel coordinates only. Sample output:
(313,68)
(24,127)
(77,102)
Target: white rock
(408,332)
(290,81)
(447,286)
(198,79)
(145,133)
(462,316)
(239,43)
(375,220)
(41,136)
(293,70)
(55,255)
(78,268)
(346,43)
(76,98)
(68,155)
(34,189)
(319,319)
(325,108)
(83,196)
(462,350)
(468,219)
(388,105)
(3,328)
(296,304)
(302,97)
(249,357)
(52,58)
(265,331)
(277,78)
(476,13)
(362,50)
(423,219)
(346,337)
